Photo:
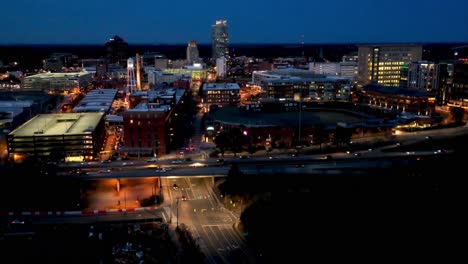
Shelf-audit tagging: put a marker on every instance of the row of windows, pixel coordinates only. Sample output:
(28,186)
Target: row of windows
(387,77)
(42,149)
(388,73)
(49,139)
(386,63)
(386,68)
(223,92)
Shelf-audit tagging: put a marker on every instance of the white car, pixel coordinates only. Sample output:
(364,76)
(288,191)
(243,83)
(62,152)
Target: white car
(152,159)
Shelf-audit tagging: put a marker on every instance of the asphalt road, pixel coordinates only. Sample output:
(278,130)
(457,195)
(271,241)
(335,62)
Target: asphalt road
(210,223)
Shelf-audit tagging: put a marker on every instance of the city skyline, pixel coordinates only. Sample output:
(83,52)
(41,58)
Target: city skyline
(266,22)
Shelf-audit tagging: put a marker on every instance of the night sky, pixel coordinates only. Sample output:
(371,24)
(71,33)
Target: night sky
(250,21)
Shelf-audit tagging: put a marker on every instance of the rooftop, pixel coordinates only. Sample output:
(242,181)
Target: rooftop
(221,86)
(99,100)
(57,75)
(59,124)
(232,115)
(402,91)
(295,79)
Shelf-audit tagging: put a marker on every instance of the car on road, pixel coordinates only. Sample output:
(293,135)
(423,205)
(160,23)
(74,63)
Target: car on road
(176,161)
(183,198)
(17,222)
(300,165)
(175,186)
(161,170)
(105,171)
(152,159)
(197,165)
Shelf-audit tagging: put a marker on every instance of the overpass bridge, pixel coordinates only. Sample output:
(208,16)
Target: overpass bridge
(349,164)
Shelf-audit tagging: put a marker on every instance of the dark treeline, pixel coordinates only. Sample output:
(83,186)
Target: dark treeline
(385,214)
(31,56)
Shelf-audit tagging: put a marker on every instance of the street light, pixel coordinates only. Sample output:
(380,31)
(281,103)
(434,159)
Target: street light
(177,212)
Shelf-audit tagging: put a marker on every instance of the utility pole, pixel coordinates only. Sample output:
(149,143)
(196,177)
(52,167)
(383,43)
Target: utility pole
(240,213)
(177,213)
(125,200)
(300,118)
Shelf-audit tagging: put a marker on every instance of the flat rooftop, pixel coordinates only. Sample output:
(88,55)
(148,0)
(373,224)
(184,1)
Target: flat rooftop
(47,75)
(59,124)
(96,101)
(390,90)
(232,115)
(220,86)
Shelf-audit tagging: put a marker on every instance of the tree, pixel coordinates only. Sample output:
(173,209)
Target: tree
(320,135)
(222,141)
(342,135)
(457,114)
(236,140)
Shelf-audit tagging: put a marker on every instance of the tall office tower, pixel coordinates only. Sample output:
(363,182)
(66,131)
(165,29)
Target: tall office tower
(131,78)
(192,52)
(220,39)
(116,51)
(383,64)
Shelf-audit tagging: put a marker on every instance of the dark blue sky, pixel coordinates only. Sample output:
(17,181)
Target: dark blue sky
(250,21)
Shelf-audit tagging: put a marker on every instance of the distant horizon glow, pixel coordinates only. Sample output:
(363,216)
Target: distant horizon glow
(90,22)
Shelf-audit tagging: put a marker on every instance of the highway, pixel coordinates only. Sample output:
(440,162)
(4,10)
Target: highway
(177,168)
(257,165)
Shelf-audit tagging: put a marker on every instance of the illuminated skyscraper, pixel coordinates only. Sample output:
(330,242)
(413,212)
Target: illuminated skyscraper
(220,39)
(384,64)
(192,52)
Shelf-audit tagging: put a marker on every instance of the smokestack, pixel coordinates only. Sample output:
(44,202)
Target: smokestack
(138,73)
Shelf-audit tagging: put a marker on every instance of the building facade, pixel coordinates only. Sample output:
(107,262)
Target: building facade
(320,89)
(68,137)
(221,67)
(192,52)
(220,47)
(117,51)
(459,92)
(398,99)
(382,64)
(436,78)
(57,82)
(221,94)
(153,124)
